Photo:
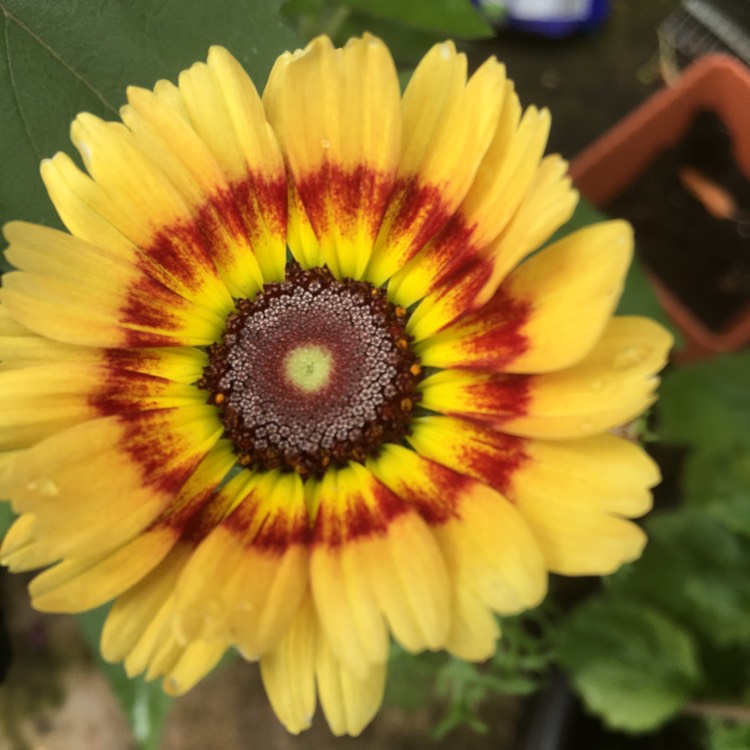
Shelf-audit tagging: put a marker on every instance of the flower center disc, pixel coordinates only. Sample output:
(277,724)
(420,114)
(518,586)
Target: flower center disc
(312,372)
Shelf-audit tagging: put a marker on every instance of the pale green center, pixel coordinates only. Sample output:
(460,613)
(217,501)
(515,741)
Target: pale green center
(309,367)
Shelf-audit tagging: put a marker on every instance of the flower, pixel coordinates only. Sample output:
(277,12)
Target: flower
(397,433)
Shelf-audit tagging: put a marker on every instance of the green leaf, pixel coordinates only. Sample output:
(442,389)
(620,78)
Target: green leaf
(7,516)
(145,704)
(724,735)
(713,475)
(734,512)
(633,666)
(458,19)
(407,45)
(706,407)
(707,403)
(695,570)
(57,59)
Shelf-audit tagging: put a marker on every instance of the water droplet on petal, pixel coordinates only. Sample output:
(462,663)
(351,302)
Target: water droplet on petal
(245,608)
(190,626)
(587,426)
(325,143)
(213,608)
(44,486)
(85,150)
(597,385)
(630,357)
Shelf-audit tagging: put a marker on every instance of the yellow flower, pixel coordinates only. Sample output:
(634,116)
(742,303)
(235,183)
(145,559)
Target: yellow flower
(397,433)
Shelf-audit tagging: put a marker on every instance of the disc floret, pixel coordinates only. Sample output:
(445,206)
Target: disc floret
(313,372)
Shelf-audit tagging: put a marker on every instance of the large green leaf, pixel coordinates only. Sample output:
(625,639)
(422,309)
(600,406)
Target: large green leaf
(695,570)
(633,666)
(734,510)
(726,735)
(60,57)
(706,407)
(707,404)
(458,18)
(451,18)
(407,45)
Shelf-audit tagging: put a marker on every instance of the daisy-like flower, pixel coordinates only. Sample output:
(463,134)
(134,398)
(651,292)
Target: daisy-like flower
(290,384)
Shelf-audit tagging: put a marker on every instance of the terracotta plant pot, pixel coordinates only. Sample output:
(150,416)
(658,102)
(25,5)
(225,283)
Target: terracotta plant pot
(612,163)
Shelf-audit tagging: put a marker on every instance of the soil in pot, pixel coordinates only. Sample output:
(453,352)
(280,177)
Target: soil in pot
(691,214)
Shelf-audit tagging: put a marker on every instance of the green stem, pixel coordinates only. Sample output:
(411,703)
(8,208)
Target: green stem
(728,711)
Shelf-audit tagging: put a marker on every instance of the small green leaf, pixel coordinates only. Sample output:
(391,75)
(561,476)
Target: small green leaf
(633,666)
(58,59)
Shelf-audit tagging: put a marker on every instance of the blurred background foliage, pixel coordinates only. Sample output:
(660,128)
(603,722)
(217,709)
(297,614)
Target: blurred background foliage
(668,637)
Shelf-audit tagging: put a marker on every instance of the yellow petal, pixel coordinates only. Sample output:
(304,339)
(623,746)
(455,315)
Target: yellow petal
(139,616)
(76,292)
(169,142)
(149,219)
(548,203)
(246,579)
(548,314)
(336,113)
(574,494)
(193,663)
(225,110)
(9,326)
(374,558)
(448,125)
(38,401)
(474,630)
(611,386)
(84,583)
(288,671)
(67,482)
(469,448)
(571,494)
(349,701)
(138,630)
(501,183)
(87,581)
(488,548)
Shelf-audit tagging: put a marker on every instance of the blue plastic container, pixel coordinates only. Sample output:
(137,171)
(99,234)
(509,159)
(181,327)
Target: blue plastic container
(551,18)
